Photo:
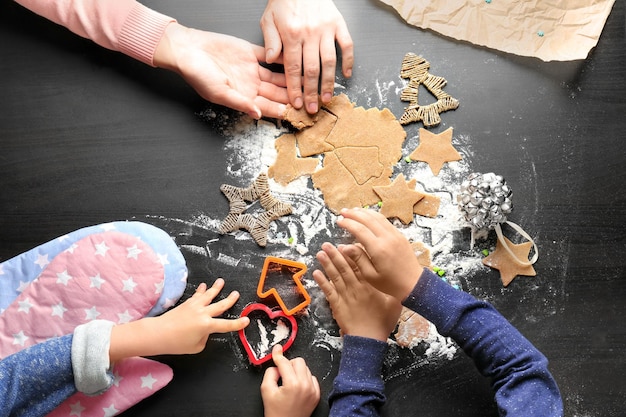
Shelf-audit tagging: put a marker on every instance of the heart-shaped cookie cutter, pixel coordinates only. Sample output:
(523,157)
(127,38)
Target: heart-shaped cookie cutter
(272,314)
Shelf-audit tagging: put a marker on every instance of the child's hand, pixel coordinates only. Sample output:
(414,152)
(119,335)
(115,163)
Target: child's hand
(358,307)
(182,330)
(187,327)
(385,258)
(299,393)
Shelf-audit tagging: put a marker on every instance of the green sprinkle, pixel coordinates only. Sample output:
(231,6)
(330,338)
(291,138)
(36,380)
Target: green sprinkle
(435,269)
(408,160)
(485,252)
(380,204)
(366,206)
(290,240)
(540,33)
(441,272)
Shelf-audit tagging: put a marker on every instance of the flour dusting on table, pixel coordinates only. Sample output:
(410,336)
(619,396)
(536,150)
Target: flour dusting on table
(249,149)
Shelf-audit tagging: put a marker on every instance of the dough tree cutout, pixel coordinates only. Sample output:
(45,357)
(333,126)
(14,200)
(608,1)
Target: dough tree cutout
(359,146)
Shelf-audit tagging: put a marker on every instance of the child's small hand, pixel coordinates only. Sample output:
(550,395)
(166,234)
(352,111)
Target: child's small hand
(187,327)
(182,330)
(299,393)
(358,307)
(385,257)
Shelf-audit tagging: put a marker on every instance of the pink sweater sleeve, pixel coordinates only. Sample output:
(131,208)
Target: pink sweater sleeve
(120,25)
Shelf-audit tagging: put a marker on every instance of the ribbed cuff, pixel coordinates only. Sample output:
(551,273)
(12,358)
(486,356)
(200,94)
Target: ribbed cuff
(142,32)
(90,357)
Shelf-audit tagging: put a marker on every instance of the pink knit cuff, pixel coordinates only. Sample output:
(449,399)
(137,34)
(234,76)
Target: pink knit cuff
(142,32)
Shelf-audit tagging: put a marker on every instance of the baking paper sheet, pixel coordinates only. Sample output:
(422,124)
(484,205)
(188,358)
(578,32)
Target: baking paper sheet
(552,30)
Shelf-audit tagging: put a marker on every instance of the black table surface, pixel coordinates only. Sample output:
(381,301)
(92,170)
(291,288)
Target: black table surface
(90,136)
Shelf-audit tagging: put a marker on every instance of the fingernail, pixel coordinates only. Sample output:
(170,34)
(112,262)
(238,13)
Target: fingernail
(297,103)
(327,97)
(313,107)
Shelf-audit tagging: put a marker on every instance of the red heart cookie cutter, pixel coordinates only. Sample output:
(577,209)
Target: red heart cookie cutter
(272,314)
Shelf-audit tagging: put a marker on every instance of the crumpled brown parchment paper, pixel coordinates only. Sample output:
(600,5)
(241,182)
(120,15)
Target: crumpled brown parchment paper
(551,30)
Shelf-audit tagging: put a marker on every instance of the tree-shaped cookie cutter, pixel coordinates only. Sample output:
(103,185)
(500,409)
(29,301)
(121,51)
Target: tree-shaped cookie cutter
(297,270)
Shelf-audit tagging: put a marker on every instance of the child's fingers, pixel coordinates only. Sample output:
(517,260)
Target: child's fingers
(221,306)
(346,270)
(365,225)
(360,259)
(330,269)
(229,325)
(207,295)
(270,378)
(324,283)
(283,365)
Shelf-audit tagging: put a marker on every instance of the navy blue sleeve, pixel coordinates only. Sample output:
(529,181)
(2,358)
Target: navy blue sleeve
(519,373)
(34,381)
(358,389)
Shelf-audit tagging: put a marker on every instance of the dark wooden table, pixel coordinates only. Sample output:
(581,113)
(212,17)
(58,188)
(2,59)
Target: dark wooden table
(90,136)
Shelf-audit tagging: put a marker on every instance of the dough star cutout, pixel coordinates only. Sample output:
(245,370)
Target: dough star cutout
(257,226)
(398,199)
(508,266)
(435,149)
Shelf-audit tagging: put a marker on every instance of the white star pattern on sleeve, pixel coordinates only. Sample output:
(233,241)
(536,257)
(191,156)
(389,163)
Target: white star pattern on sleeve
(42,260)
(96,281)
(20,338)
(124,317)
(163,259)
(63,278)
(101,248)
(76,409)
(58,309)
(25,305)
(129,285)
(23,285)
(147,381)
(110,411)
(91,313)
(71,248)
(111,276)
(133,252)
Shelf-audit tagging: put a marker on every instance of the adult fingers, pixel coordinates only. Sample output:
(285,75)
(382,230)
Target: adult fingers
(271,38)
(292,62)
(274,78)
(271,108)
(311,71)
(328,57)
(344,40)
